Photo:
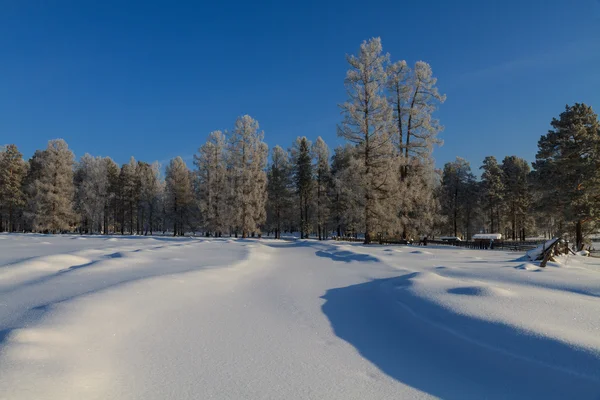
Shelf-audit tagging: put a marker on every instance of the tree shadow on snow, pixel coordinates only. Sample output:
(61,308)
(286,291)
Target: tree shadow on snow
(452,356)
(345,256)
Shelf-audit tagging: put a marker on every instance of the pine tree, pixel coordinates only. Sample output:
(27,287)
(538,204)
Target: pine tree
(368,123)
(279,189)
(52,190)
(178,194)
(492,191)
(515,179)
(322,177)
(567,169)
(456,181)
(247,163)
(303,180)
(12,176)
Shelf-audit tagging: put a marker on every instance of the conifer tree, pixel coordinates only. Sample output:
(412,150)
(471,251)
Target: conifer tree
(12,176)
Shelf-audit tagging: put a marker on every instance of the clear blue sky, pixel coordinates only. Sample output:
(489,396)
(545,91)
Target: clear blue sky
(152,79)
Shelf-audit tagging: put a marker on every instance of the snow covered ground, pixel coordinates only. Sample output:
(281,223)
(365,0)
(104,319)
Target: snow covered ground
(154,318)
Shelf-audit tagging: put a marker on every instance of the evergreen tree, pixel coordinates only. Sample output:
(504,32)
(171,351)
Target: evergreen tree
(567,169)
(279,188)
(515,173)
(322,176)
(12,176)
(492,191)
(303,180)
(457,180)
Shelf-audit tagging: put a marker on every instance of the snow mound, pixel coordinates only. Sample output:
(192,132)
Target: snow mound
(528,267)
(420,252)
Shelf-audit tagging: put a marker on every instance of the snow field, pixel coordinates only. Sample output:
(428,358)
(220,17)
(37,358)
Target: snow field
(155,318)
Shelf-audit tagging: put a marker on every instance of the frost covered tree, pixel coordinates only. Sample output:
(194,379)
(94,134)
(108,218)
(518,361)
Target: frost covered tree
(320,153)
(303,180)
(279,189)
(178,193)
(492,191)
(247,163)
(150,194)
(567,169)
(91,192)
(52,189)
(112,210)
(12,176)
(211,169)
(457,181)
(414,97)
(368,124)
(517,197)
(129,194)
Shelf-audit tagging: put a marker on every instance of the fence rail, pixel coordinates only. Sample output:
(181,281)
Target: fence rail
(469,244)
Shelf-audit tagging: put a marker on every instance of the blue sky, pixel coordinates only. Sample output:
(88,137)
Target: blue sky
(152,79)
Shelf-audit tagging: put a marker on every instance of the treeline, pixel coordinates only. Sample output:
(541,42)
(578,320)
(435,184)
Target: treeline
(381,183)
(560,195)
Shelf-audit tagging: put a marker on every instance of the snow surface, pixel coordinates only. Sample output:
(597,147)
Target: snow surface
(153,318)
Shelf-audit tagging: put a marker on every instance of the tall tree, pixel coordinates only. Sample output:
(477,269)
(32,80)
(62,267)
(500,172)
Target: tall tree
(52,190)
(567,168)
(12,176)
(178,194)
(457,179)
(211,171)
(340,187)
(322,176)
(515,173)
(279,188)
(113,195)
(91,191)
(492,191)
(248,158)
(368,124)
(303,180)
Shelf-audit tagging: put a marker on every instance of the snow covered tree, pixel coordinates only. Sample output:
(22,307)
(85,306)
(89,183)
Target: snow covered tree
(414,97)
(179,194)
(303,180)
(91,191)
(457,181)
(12,176)
(150,193)
(567,168)
(492,191)
(129,190)
(368,124)
(52,189)
(322,176)
(517,198)
(112,210)
(211,164)
(280,189)
(248,161)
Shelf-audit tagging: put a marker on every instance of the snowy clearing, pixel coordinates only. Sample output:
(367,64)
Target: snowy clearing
(85,317)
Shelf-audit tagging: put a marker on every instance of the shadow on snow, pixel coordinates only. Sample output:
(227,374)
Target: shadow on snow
(452,356)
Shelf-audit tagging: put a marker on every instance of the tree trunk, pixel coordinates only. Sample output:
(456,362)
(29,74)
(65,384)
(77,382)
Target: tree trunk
(579,235)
